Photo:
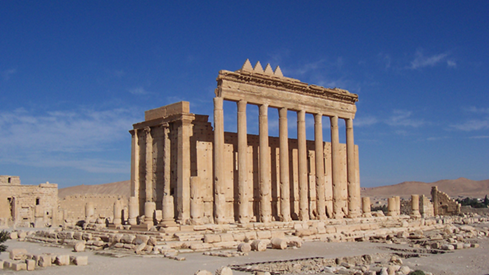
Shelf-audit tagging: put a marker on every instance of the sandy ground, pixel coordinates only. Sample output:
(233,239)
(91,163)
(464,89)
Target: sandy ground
(469,261)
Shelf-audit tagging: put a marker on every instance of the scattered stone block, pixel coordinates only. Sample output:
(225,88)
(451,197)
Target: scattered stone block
(17,266)
(211,238)
(278,243)
(13,235)
(244,247)
(79,260)
(141,239)
(62,260)
(30,265)
(79,247)
(140,248)
(1,264)
(259,245)
(224,271)
(447,247)
(128,238)
(18,254)
(44,260)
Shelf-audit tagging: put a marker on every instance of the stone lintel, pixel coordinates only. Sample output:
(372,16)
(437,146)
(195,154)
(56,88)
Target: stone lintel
(257,87)
(182,107)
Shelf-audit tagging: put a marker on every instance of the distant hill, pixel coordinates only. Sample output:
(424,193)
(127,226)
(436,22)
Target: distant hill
(454,188)
(114,188)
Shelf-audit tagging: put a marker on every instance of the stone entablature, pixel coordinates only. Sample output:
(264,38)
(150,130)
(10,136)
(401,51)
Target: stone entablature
(193,173)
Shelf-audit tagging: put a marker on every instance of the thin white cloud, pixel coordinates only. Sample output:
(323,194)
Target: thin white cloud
(385,59)
(403,118)
(472,125)
(479,137)
(476,110)
(421,61)
(8,73)
(138,91)
(451,64)
(365,121)
(62,138)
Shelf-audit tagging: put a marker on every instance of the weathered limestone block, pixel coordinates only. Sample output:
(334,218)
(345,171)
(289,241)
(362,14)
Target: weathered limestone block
(128,238)
(203,272)
(304,232)
(77,235)
(140,248)
(227,237)
(79,247)
(212,238)
(224,271)
(44,260)
(30,265)
(66,235)
(141,239)
(1,264)
(264,234)
(278,243)
(239,237)
(14,235)
(244,247)
(17,266)
(7,264)
(18,254)
(86,236)
(259,245)
(62,260)
(294,242)
(251,235)
(79,260)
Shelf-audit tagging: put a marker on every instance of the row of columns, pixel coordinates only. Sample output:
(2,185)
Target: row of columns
(149,202)
(346,196)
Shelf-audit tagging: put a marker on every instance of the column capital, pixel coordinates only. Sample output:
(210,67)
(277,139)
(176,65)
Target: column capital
(147,129)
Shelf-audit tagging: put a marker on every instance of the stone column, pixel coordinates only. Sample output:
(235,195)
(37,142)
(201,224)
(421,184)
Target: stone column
(168,211)
(117,213)
(183,170)
(265,188)
(366,209)
(319,146)
(149,212)
(391,207)
(302,152)
(284,166)
(243,201)
(219,185)
(195,200)
(133,210)
(398,205)
(339,201)
(89,211)
(415,206)
(149,165)
(353,182)
(135,165)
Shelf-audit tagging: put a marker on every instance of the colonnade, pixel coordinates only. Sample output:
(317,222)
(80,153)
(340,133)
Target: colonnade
(346,195)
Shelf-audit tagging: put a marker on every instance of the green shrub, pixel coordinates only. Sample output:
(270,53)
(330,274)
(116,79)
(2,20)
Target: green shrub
(4,236)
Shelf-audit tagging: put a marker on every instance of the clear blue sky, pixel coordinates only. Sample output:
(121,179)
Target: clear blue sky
(75,76)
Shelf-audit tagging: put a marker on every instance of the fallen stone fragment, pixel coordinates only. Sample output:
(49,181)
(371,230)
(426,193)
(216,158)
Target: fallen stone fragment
(224,271)
(258,245)
(79,247)
(44,260)
(62,260)
(278,243)
(244,247)
(79,260)
(30,265)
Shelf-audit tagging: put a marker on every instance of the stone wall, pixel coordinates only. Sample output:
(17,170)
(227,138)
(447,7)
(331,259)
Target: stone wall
(443,204)
(27,205)
(73,207)
(9,180)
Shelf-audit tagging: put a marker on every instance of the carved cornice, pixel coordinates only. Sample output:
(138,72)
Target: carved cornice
(286,84)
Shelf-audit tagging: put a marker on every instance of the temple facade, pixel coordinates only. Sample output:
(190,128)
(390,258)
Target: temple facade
(184,171)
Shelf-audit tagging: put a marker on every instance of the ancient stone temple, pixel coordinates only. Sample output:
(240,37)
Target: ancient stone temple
(186,171)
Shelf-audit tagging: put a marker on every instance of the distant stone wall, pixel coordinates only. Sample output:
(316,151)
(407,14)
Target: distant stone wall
(443,204)
(73,207)
(9,180)
(425,206)
(25,205)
